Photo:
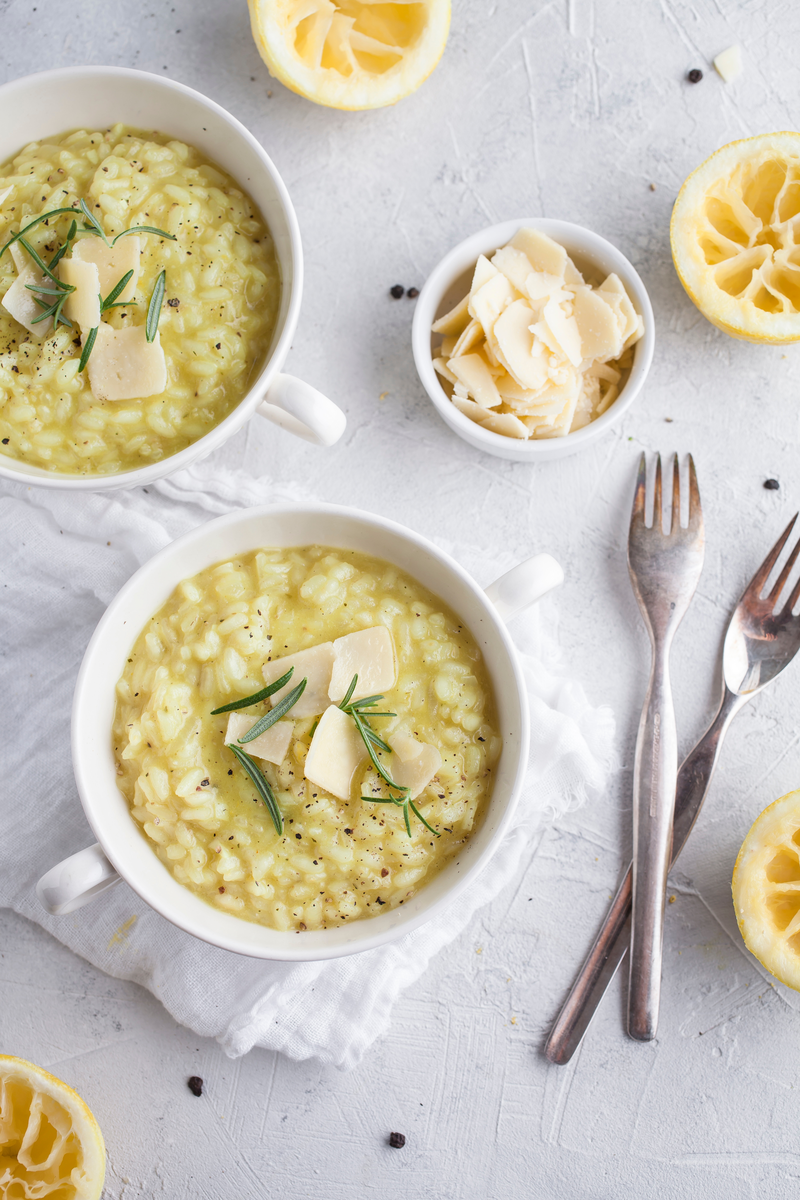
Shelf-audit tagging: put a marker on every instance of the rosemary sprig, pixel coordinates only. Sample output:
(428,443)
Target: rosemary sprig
(154,307)
(257,697)
(44,268)
(117,290)
(55,212)
(272,718)
(52,308)
(88,347)
(94,224)
(261,783)
(355,708)
(62,250)
(93,227)
(144,229)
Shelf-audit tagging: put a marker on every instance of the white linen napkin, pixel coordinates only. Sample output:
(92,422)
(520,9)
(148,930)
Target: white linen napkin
(65,555)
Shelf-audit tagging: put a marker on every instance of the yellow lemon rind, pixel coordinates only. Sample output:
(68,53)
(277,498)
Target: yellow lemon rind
(725,312)
(749,886)
(83,1119)
(269,24)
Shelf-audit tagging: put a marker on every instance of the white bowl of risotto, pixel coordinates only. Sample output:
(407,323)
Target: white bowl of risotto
(156,179)
(450,282)
(201,626)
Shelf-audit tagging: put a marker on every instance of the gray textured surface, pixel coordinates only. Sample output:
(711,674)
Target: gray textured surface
(563,110)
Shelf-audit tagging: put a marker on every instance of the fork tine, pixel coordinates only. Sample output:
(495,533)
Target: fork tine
(658,518)
(784,575)
(676,494)
(639,495)
(756,584)
(695,507)
(794,597)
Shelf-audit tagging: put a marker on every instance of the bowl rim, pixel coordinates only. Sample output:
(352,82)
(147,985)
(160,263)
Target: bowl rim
(210,441)
(457,261)
(246,937)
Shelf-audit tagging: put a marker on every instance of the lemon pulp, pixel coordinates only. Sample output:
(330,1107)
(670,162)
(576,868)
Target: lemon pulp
(735,236)
(350,54)
(50,1143)
(766,889)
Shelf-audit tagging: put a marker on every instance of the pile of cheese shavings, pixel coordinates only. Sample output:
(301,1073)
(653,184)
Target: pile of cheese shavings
(533,351)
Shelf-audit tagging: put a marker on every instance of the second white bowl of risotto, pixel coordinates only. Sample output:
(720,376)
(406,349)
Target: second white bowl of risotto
(150,281)
(532,337)
(299,721)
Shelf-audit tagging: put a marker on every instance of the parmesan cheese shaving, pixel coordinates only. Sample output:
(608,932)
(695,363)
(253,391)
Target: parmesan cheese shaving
(526,353)
(316,666)
(82,305)
(19,300)
(729,63)
(368,653)
(124,366)
(415,763)
(270,745)
(336,751)
(112,263)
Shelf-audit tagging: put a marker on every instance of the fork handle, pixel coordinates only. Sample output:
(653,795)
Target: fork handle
(655,776)
(611,944)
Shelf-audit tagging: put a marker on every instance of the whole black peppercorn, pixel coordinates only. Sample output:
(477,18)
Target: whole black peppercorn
(397,291)
(412,293)
(771,485)
(397,1140)
(195,1085)
(695,75)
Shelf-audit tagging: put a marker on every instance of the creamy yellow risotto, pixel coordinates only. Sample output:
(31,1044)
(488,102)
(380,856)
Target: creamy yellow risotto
(351,845)
(136,399)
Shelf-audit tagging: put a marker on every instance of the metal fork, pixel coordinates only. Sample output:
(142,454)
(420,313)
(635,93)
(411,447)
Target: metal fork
(759,643)
(664,570)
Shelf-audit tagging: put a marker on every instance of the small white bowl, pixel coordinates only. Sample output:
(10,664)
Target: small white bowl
(450,280)
(38,106)
(123,852)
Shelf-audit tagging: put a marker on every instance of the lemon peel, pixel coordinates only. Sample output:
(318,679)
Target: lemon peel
(50,1143)
(766,889)
(350,54)
(735,237)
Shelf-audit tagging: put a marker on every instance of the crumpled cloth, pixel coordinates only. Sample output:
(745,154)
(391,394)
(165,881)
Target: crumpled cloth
(65,555)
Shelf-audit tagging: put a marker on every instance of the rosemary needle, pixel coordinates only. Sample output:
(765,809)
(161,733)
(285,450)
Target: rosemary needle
(154,307)
(88,347)
(261,784)
(272,718)
(257,696)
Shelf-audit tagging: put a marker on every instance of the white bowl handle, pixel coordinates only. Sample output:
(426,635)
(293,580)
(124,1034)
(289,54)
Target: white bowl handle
(302,410)
(524,584)
(76,880)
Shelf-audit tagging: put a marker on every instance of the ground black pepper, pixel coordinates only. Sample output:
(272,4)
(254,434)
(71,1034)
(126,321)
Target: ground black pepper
(695,75)
(771,485)
(397,291)
(397,1140)
(195,1086)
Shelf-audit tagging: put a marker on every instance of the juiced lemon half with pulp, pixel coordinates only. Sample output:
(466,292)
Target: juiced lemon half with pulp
(766,889)
(350,53)
(50,1144)
(735,237)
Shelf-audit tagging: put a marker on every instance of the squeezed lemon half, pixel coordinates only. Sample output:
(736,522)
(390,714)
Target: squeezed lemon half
(735,236)
(350,53)
(766,889)
(50,1144)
